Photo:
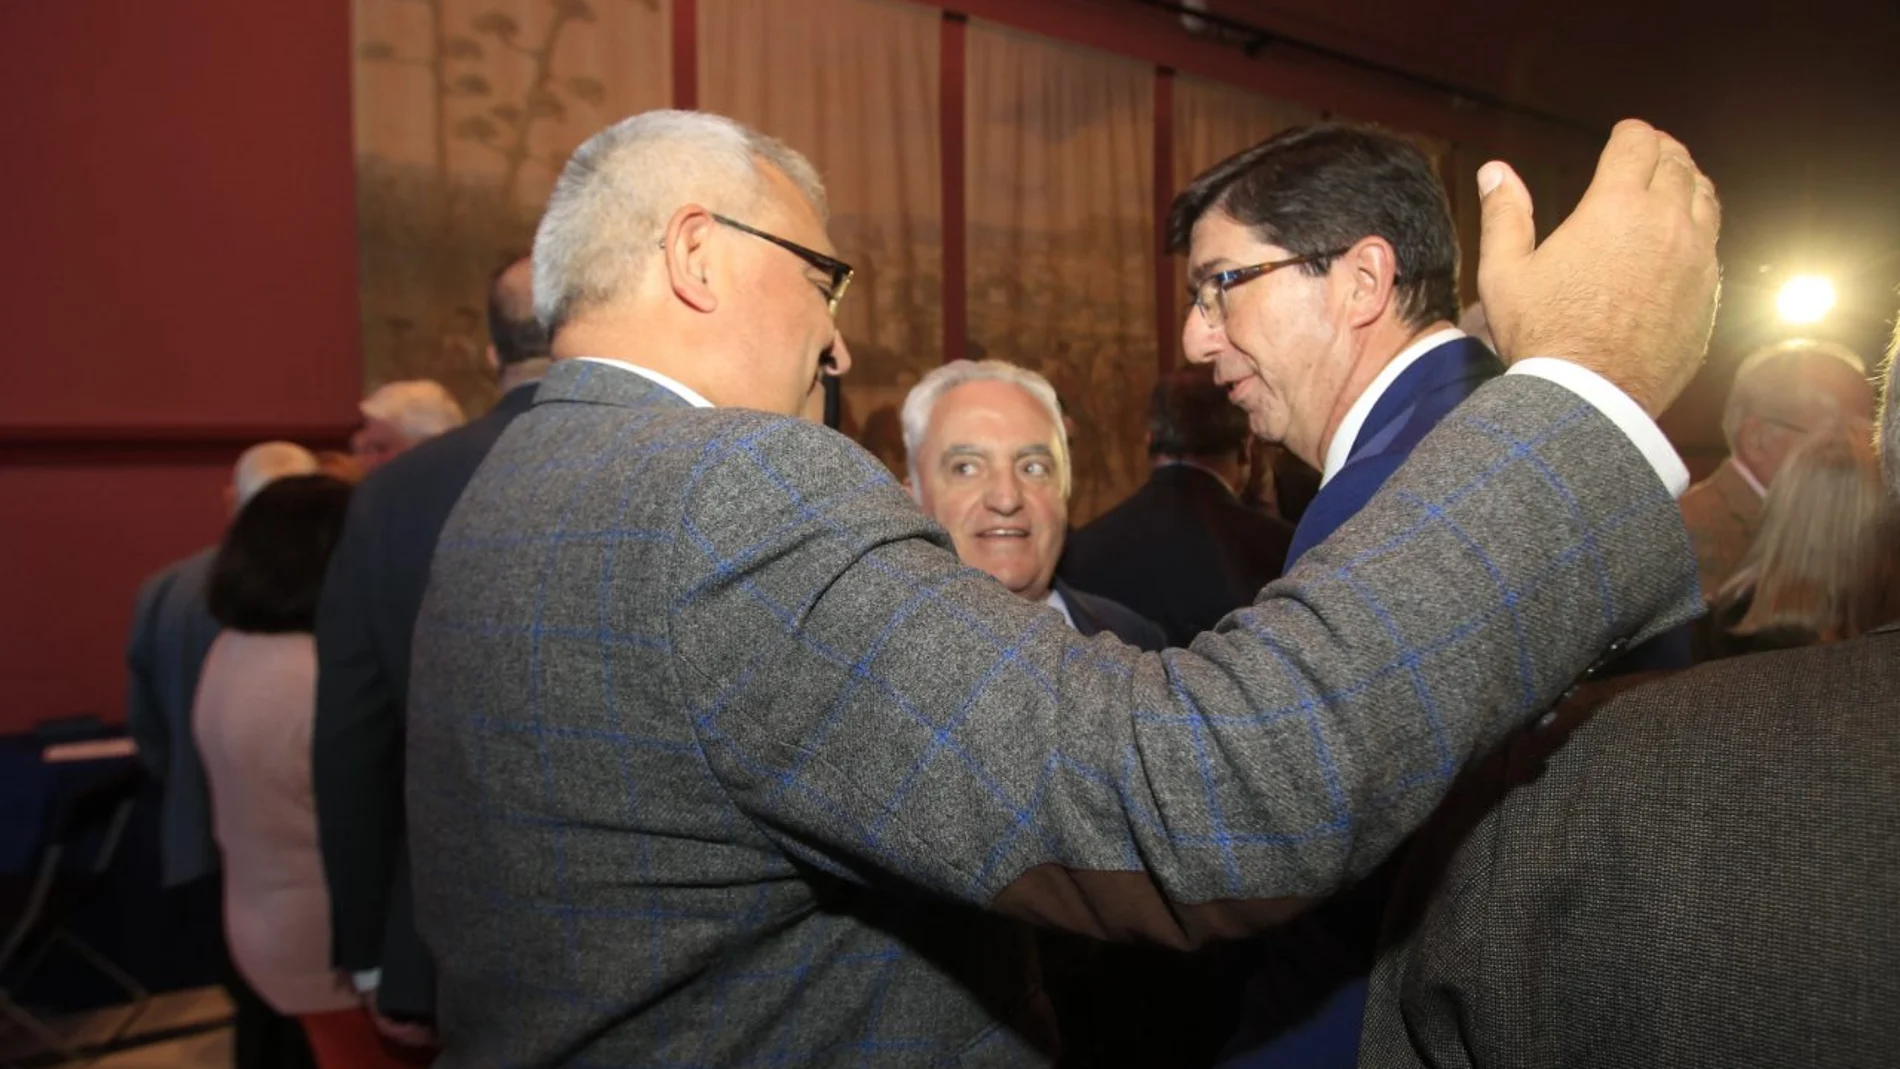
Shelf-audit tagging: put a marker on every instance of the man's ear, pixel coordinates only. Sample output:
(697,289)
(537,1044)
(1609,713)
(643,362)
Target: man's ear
(1372,273)
(686,255)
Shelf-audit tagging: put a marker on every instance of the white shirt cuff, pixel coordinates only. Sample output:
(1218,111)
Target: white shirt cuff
(1619,408)
(366,981)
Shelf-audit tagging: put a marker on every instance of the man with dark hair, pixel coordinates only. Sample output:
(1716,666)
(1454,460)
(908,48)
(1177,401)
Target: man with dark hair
(1325,283)
(1183,551)
(370,600)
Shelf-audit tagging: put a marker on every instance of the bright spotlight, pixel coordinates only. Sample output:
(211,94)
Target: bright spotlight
(1805,299)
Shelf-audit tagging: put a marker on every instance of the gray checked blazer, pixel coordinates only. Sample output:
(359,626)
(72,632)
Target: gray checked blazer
(719,757)
(1706,874)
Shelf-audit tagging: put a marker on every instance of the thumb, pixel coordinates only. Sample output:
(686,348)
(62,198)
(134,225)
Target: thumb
(1508,233)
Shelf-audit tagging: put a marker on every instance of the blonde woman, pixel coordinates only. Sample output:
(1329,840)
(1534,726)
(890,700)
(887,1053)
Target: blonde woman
(1819,570)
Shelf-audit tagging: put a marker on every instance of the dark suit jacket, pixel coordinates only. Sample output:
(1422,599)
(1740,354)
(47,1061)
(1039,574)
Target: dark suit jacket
(364,623)
(1422,395)
(1181,551)
(1705,874)
(717,753)
(172,631)
(1094,614)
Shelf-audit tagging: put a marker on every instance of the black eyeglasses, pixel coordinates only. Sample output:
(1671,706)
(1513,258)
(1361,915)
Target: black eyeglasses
(1210,293)
(839,272)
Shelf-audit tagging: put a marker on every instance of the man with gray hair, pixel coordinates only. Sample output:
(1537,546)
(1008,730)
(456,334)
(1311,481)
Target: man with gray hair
(717,753)
(1703,874)
(172,631)
(988,458)
(1782,393)
(397,415)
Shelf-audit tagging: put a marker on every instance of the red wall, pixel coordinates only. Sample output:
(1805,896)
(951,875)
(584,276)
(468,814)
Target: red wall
(179,280)
(181,277)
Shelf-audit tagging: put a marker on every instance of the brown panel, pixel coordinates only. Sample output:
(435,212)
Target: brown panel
(951,97)
(1167,324)
(685,54)
(153,446)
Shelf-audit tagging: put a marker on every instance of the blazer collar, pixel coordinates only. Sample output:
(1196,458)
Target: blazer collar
(590,383)
(1460,359)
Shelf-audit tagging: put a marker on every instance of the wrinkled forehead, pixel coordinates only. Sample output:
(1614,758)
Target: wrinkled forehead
(993,414)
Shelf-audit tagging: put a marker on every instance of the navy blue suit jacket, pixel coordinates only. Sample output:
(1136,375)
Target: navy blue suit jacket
(1422,395)
(1094,614)
(370,600)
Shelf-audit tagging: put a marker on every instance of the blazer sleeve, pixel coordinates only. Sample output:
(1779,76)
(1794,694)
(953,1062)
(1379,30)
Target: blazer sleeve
(356,750)
(880,710)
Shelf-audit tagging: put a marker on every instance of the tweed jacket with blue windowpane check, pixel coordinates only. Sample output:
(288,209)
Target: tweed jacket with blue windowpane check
(718,757)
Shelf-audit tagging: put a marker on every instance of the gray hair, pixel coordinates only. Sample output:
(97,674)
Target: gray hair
(419,409)
(265,463)
(921,403)
(1764,378)
(610,207)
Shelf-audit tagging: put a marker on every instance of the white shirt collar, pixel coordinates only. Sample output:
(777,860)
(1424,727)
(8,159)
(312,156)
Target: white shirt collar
(1340,447)
(1056,602)
(683,391)
(1749,478)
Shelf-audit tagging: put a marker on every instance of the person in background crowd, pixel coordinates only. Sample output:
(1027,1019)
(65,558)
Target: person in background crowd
(1820,568)
(1780,394)
(252,722)
(1703,874)
(1183,551)
(340,465)
(172,631)
(364,622)
(397,415)
(988,459)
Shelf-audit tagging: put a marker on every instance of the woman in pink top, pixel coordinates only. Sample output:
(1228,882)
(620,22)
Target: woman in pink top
(256,701)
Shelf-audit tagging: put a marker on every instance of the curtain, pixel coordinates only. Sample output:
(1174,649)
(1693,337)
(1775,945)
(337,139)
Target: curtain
(1213,121)
(1556,174)
(465,112)
(853,84)
(1060,173)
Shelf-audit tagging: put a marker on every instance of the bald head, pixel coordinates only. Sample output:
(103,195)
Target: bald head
(514,334)
(1786,391)
(265,463)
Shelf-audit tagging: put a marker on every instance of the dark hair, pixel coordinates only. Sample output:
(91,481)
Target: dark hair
(1189,416)
(512,327)
(1314,189)
(269,571)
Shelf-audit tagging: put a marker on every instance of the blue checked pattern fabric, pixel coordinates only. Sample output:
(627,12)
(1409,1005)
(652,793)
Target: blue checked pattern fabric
(718,757)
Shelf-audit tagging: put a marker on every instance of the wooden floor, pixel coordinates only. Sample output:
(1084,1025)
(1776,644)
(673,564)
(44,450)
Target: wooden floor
(181,1030)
